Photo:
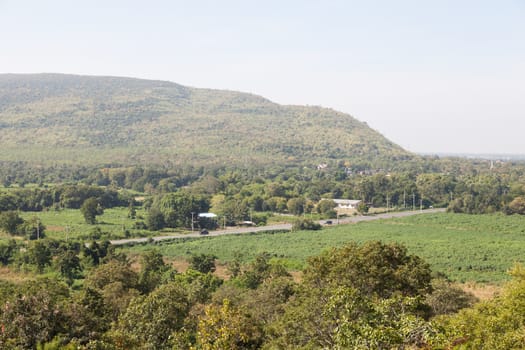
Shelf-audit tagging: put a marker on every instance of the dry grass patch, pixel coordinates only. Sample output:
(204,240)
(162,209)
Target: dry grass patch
(481,291)
(14,276)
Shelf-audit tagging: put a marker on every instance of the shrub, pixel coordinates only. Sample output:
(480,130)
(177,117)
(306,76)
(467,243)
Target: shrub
(305,224)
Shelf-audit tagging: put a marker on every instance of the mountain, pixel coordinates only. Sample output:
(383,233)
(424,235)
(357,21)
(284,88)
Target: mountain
(98,120)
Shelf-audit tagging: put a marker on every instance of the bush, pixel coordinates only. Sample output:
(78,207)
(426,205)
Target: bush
(305,224)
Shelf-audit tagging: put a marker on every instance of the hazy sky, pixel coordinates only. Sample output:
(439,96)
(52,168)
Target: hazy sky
(432,76)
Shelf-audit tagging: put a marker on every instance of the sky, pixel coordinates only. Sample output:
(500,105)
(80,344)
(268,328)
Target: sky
(434,76)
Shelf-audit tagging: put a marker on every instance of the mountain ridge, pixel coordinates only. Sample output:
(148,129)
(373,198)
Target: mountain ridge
(103,119)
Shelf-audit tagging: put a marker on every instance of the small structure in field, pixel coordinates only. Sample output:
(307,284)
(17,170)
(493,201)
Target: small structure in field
(347,203)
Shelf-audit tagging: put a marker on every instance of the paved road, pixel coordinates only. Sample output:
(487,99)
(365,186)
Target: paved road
(279,227)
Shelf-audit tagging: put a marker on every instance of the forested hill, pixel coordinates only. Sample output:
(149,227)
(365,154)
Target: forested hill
(93,120)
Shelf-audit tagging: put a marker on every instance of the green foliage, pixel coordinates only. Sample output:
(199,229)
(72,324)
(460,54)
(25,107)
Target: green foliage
(362,208)
(7,252)
(357,297)
(203,263)
(150,321)
(152,271)
(494,324)
(95,252)
(373,268)
(479,194)
(302,224)
(199,286)
(260,270)
(296,206)
(226,327)
(90,209)
(32,228)
(326,206)
(117,283)
(34,316)
(39,254)
(155,220)
(435,188)
(178,209)
(68,265)
(9,221)
(12,223)
(232,208)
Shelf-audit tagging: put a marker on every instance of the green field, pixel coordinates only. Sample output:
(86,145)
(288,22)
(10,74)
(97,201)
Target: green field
(69,223)
(477,248)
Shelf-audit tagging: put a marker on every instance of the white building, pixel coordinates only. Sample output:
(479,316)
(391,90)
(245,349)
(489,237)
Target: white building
(347,203)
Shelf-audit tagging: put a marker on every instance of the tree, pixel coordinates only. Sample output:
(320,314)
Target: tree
(9,221)
(132,212)
(326,206)
(152,271)
(233,208)
(7,251)
(32,229)
(203,263)
(199,286)
(95,252)
(155,219)
(225,327)
(497,324)
(117,283)
(296,206)
(68,264)
(516,206)
(34,315)
(362,208)
(178,207)
(375,268)
(358,297)
(150,321)
(40,255)
(88,317)
(260,270)
(90,209)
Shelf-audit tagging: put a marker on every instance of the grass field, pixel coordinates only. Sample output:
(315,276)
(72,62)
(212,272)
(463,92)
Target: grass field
(477,248)
(69,223)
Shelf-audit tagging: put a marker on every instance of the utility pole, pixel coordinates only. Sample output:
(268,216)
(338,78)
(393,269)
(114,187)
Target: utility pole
(413,201)
(387,203)
(421,204)
(37,229)
(404,199)
(192,226)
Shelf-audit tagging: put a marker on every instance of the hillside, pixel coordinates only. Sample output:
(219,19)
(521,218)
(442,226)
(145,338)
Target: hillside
(69,119)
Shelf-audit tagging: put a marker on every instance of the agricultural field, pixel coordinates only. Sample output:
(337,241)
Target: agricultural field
(466,248)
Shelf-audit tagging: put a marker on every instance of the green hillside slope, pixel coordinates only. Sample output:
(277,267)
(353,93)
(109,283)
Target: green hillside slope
(68,119)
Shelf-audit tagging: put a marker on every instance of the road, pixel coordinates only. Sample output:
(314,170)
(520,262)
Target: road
(278,227)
